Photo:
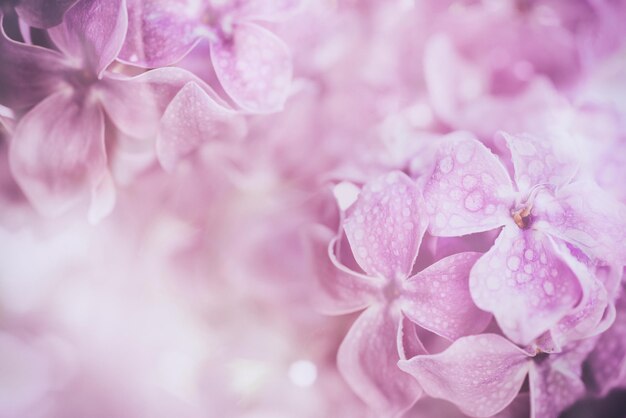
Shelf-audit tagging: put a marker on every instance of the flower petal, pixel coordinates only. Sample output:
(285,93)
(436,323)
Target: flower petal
(339,290)
(590,219)
(160,32)
(57,153)
(481,374)
(386,225)
(254,68)
(191,120)
(537,161)
(268,10)
(368,358)
(555,382)
(438,298)
(92,31)
(409,344)
(525,283)
(608,360)
(136,104)
(28,73)
(43,13)
(469,190)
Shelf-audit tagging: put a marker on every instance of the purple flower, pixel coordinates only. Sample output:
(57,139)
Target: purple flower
(482,374)
(385,227)
(530,280)
(58,152)
(251,63)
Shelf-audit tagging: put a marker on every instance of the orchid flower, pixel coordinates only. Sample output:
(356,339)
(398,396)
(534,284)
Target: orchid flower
(482,374)
(529,279)
(252,64)
(38,13)
(385,227)
(58,151)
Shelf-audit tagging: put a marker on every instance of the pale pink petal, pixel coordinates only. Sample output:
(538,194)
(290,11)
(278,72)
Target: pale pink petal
(537,161)
(339,290)
(136,104)
(439,300)
(368,358)
(386,225)
(469,189)
(191,120)
(589,218)
(161,32)
(608,360)
(93,32)
(103,196)
(254,68)
(57,152)
(28,73)
(481,374)
(519,408)
(525,283)
(43,13)
(555,381)
(409,344)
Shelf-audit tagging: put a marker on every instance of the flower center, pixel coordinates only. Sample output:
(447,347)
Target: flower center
(522,217)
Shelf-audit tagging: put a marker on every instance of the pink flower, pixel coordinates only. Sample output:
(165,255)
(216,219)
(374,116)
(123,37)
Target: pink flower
(58,152)
(529,279)
(482,374)
(385,227)
(251,63)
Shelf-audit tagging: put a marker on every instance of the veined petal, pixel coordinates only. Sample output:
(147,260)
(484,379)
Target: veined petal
(43,13)
(192,119)
(469,190)
(339,290)
(254,68)
(481,374)
(136,104)
(386,224)
(28,74)
(161,32)
(92,31)
(590,219)
(525,283)
(368,358)
(57,152)
(555,381)
(537,161)
(438,298)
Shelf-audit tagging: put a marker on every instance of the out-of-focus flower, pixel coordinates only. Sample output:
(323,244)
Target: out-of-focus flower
(58,152)
(251,63)
(385,227)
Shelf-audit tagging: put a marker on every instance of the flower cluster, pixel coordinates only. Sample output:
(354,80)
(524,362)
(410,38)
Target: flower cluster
(312,208)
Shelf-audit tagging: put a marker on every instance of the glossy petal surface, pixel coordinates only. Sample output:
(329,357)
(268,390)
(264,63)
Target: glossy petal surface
(57,153)
(469,190)
(386,225)
(524,282)
(368,358)
(481,374)
(438,298)
(254,67)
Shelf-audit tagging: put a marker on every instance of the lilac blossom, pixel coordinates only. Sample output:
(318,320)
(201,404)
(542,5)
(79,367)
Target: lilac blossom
(252,64)
(58,151)
(385,227)
(529,280)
